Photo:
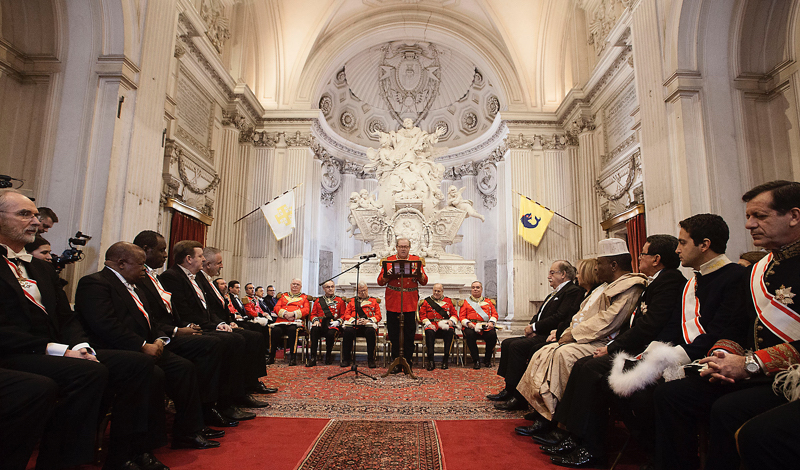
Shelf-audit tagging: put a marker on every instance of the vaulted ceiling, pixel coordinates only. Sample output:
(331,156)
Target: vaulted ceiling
(531,51)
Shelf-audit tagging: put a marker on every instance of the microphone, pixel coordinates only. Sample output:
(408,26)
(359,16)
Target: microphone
(371,255)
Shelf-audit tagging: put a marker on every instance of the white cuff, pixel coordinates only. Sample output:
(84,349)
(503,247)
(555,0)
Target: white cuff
(56,349)
(165,339)
(83,345)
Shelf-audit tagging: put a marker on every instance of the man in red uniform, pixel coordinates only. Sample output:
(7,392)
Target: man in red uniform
(478,318)
(291,309)
(361,319)
(326,320)
(410,293)
(438,317)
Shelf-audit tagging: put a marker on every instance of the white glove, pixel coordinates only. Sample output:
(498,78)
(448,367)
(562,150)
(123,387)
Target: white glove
(335,324)
(261,321)
(477,328)
(444,325)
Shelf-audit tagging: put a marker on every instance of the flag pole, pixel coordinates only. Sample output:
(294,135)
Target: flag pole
(259,207)
(551,210)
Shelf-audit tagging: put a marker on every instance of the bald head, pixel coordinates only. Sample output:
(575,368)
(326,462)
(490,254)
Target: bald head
(438,291)
(127,259)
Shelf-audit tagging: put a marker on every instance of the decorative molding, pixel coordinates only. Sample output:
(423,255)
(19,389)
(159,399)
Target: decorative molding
(265,139)
(299,140)
(607,158)
(537,142)
(188,183)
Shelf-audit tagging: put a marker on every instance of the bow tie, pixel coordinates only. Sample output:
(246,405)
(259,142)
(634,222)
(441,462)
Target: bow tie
(192,276)
(16,258)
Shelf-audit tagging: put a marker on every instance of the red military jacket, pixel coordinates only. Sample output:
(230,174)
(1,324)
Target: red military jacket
(411,286)
(468,314)
(298,305)
(251,308)
(429,316)
(336,307)
(370,307)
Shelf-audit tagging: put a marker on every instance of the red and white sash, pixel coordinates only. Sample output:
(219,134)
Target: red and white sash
(140,305)
(166,297)
(691,312)
(779,318)
(28,286)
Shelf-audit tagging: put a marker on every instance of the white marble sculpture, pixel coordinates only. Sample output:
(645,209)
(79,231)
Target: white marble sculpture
(410,202)
(454,199)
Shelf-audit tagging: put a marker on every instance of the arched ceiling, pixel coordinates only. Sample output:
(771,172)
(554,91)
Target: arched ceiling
(289,52)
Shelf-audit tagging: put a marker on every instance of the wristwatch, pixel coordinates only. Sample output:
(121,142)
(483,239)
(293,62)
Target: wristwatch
(750,364)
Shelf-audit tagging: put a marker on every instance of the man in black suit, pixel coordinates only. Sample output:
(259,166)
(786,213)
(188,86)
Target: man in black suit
(26,402)
(186,339)
(584,408)
(559,305)
(234,289)
(117,317)
(40,334)
(256,346)
(189,303)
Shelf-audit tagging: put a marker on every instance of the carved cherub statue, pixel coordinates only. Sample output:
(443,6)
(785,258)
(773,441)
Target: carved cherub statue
(454,199)
(352,205)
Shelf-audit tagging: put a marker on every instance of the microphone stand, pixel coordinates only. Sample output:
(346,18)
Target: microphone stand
(353,365)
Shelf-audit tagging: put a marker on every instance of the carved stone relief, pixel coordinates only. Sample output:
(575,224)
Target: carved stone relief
(212,13)
(325,264)
(195,114)
(188,179)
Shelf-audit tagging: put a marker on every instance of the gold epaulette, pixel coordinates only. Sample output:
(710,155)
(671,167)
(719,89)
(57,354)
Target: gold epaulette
(419,304)
(494,302)
(311,298)
(344,299)
(378,300)
(385,258)
(422,259)
(246,301)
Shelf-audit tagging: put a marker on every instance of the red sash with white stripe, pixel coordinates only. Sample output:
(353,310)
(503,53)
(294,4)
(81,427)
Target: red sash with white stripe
(166,297)
(25,288)
(691,312)
(141,307)
(779,318)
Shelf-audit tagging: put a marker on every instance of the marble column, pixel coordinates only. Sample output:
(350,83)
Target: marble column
(588,203)
(258,236)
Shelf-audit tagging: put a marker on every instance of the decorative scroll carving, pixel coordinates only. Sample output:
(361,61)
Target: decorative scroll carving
(623,185)
(233,118)
(218,32)
(189,182)
(264,139)
(299,140)
(605,18)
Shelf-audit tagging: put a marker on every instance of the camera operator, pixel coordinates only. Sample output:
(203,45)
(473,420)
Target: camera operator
(40,248)
(48,218)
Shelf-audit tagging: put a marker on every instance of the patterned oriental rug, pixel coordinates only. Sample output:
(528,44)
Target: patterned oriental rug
(375,445)
(456,393)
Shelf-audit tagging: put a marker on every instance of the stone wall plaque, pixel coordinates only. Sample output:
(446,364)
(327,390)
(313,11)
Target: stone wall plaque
(618,120)
(490,278)
(195,114)
(325,265)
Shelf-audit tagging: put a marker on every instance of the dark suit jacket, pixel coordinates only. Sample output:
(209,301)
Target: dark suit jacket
(110,315)
(25,328)
(215,307)
(662,299)
(562,306)
(724,301)
(185,302)
(238,305)
(160,317)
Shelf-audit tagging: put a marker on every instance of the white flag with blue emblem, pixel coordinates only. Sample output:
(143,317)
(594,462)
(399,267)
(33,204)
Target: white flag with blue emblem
(280,215)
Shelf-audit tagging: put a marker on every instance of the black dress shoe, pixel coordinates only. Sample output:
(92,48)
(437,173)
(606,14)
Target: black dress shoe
(371,364)
(476,365)
(261,388)
(579,458)
(129,465)
(487,364)
(549,438)
(444,364)
(328,359)
(537,426)
(249,402)
(237,414)
(344,364)
(195,441)
(214,418)
(562,448)
(271,360)
(430,365)
(311,362)
(511,404)
(148,461)
(533,416)
(209,433)
(502,395)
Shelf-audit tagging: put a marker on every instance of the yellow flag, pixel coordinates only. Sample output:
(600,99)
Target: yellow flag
(533,220)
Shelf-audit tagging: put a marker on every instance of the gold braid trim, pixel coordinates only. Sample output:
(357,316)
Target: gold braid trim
(777,358)
(730,346)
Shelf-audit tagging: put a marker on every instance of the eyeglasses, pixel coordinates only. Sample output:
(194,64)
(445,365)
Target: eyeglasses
(24,214)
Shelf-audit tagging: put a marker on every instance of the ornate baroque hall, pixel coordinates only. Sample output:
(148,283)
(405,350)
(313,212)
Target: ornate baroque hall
(182,116)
